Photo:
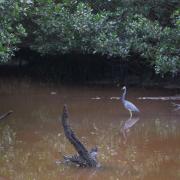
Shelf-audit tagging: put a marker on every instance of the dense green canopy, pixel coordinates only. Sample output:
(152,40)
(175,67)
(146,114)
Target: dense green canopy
(117,28)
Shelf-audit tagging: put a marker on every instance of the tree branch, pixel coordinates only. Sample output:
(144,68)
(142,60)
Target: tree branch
(5,115)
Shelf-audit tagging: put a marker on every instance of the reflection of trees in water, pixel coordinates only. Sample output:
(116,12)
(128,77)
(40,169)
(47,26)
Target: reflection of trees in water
(149,152)
(155,163)
(139,155)
(7,143)
(31,161)
(7,137)
(161,128)
(144,130)
(151,128)
(139,158)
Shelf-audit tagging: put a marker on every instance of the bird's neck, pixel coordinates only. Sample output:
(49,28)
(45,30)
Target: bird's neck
(123,96)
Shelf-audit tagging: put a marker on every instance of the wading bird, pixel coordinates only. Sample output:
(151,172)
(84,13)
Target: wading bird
(127,104)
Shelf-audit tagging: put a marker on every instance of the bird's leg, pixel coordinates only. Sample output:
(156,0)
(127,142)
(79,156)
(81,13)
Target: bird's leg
(130,114)
(124,133)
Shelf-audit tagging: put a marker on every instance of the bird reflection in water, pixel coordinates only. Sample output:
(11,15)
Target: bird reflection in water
(127,125)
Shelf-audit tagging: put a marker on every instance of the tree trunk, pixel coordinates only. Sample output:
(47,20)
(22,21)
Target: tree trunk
(84,158)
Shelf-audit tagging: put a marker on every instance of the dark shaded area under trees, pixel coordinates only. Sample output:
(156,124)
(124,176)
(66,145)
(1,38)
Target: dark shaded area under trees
(134,41)
(83,68)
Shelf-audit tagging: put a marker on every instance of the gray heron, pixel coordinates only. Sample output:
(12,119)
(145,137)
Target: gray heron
(127,104)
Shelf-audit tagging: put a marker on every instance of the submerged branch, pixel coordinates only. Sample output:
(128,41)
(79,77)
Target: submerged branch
(177,106)
(165,98)
(5,115)
(84,157)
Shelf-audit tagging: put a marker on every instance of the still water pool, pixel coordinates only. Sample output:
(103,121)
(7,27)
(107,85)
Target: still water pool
(32,138)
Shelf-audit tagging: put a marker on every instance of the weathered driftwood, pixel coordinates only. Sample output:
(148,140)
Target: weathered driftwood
(84,158)
(5,115)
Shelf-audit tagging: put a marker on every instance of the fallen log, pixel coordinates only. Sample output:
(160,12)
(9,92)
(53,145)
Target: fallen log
(84,158)
(5,115)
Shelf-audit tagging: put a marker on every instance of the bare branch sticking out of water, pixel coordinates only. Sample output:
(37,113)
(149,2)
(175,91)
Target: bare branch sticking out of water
(177,106)
(84,158)
(5,115)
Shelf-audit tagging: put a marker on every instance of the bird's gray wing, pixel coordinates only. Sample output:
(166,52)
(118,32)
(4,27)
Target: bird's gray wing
(130,106)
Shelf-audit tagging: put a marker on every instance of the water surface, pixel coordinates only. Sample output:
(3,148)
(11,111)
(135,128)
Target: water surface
(32,138)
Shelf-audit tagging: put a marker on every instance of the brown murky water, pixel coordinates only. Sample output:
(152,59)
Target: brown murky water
(32,138)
